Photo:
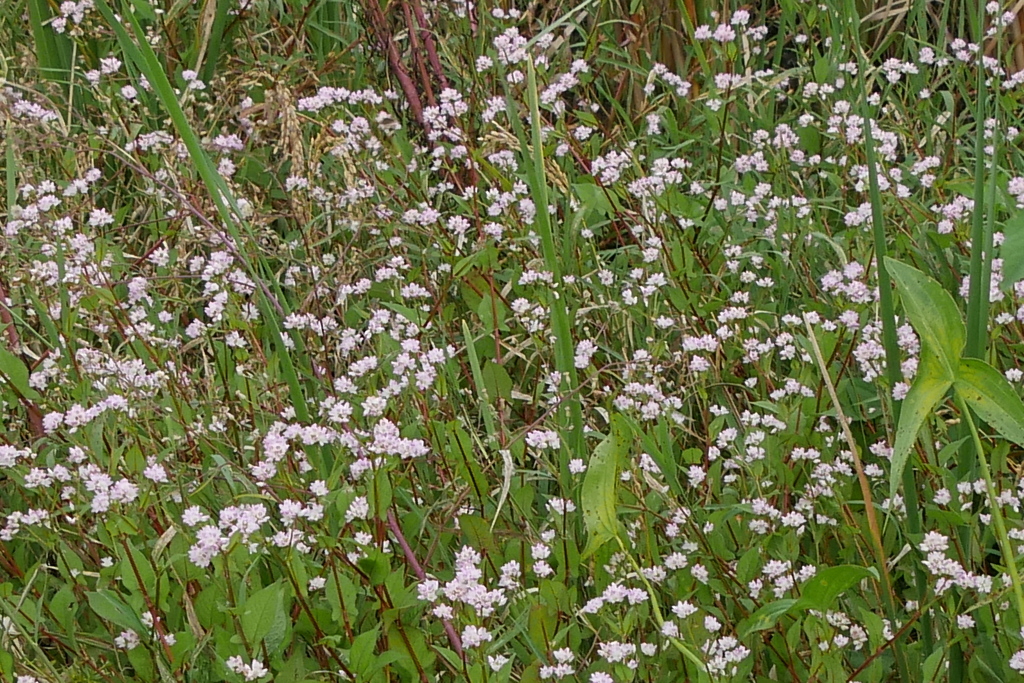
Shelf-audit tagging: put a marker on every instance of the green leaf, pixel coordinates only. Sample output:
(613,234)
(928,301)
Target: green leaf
(478,534)
(600,487)
(64,608)
(766,617)
(989,393)
(822,589)
(932,312)
(264,616)
(594,198)
(361,656)
(665,463)
(497,381)
(1012,250)
(596,541)
(408,649)
(931,665)
(129,565)
(381,494)
(14,371)
(53,50)
(144,10)
(930,386)
(543,625)
(376,565)
(142,664)
(108,606)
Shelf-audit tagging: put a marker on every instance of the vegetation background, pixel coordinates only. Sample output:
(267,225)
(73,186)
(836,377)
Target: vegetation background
(430,340)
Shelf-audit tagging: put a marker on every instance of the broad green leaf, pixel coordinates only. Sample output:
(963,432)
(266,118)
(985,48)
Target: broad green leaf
(376,565)
(263,615)
(594,198)
(990,395)
(361,656)
(765,617)
(63,607)
(599,495)
(137,562)
(381,494)
(497,381)
(822,589)
(408,649)
(931,665)
(478,534)
(1012,250)
(543,625)
(666,464)
(929,387)
(108,606)
(14,371)
(596,541)
(932,312)
(142,664)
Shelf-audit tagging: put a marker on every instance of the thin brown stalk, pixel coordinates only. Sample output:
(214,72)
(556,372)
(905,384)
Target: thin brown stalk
(865,487)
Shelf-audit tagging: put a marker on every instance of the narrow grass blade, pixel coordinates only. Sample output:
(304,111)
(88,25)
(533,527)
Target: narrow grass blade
(573,430)
(981,233)
(483,399)
(141,53)
(214,20)
(53,50)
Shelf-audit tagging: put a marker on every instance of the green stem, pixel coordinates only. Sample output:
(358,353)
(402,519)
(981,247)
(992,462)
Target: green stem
(560,321)
(1009,557)
(656,608)
(981,239)
(980,277)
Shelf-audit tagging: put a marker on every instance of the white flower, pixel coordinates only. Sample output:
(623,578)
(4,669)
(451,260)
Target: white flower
(251,672)
(934,542)
(128,640)
(475,636)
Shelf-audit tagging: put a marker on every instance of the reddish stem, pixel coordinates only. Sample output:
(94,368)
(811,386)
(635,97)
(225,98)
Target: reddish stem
(410,557)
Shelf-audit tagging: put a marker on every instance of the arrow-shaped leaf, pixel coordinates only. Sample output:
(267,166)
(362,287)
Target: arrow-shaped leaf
(110,607)
(599,498)
(992,397)
(767,615)
(15,372)
(930,385)
(932,312)
(822,589)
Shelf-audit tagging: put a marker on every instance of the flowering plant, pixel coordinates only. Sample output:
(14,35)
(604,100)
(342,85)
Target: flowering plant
(508,345)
